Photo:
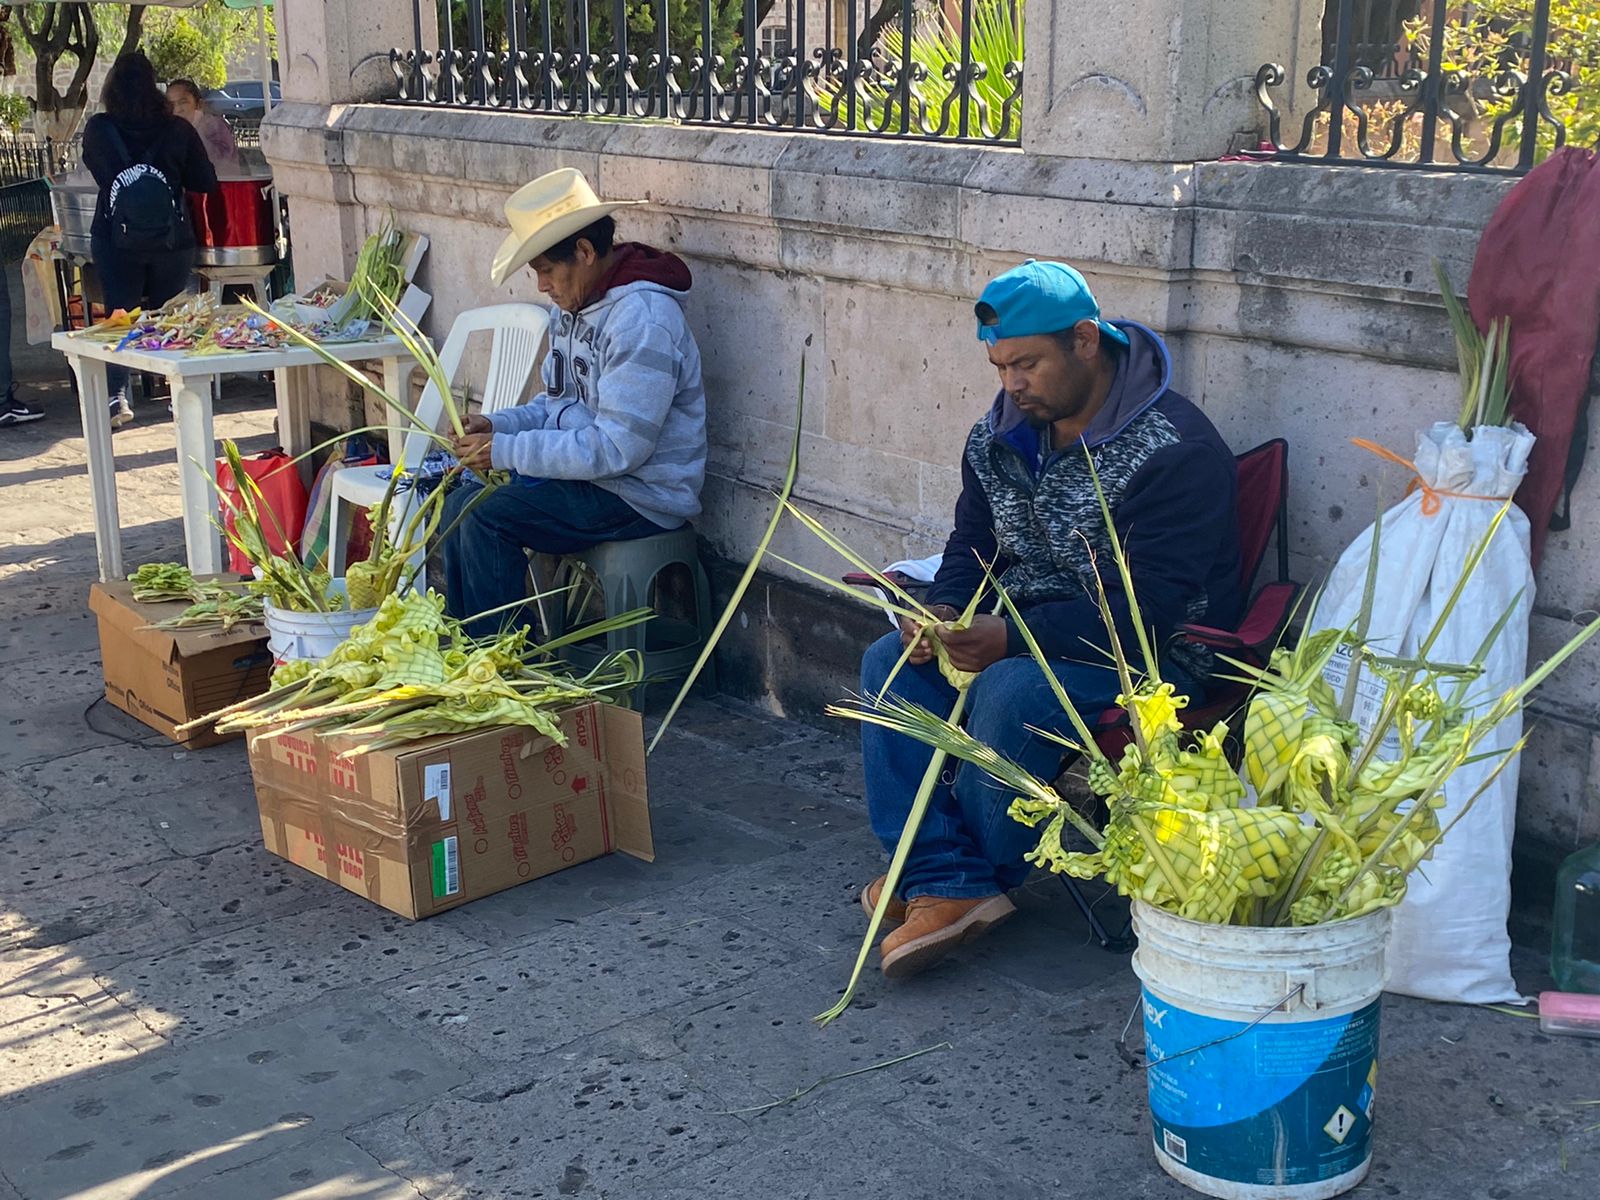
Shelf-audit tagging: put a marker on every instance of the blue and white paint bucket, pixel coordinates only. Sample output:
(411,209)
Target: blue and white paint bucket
(1262,1047)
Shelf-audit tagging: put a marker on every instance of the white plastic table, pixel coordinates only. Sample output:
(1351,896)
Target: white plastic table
(190,377)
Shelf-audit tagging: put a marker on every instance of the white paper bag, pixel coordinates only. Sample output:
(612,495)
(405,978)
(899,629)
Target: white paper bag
(1450,940)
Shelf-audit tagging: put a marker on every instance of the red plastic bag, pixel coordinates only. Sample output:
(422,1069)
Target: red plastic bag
(281,502)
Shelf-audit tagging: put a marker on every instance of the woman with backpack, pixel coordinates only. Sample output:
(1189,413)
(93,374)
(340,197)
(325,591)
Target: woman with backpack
(144,158)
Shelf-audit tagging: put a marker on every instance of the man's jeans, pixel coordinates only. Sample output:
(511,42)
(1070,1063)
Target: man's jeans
(968,845)
(485,559)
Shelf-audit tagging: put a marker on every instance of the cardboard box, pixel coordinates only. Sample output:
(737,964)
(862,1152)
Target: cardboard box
(167,677)
(429,826)
(335,314)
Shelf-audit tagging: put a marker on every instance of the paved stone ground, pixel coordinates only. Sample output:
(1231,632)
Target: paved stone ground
(182,1015)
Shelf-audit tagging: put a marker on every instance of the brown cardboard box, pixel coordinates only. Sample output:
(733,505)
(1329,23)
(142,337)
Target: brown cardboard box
(166,677)
(425,827)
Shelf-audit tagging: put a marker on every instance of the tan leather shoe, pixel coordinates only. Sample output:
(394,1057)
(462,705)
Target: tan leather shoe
(934,927)
(896,912)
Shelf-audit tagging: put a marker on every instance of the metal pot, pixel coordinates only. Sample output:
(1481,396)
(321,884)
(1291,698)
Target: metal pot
(73,206)
(235,227)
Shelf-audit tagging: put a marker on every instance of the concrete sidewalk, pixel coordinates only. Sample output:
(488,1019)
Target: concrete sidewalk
(183,1015)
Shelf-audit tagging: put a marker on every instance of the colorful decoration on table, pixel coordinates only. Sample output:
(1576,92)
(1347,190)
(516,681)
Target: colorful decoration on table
(333,312)
(246,331)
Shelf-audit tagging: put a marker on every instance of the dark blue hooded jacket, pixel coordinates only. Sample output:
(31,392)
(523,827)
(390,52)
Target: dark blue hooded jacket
(1171,485)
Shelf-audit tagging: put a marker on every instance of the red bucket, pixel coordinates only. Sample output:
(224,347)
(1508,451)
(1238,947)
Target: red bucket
(235,226)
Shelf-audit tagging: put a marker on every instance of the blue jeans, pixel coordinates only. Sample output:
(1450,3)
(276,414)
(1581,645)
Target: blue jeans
(485,559)
(968,845)
(7,382)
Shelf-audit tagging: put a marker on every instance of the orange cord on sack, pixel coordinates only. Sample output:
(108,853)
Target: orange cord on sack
(1432,497)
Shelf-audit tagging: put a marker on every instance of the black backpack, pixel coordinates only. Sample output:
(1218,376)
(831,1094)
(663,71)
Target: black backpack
(143,205)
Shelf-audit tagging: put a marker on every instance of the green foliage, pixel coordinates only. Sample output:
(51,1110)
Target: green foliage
(683,25)
(996,42)
(936,47)
(1489,37)
(15,111)
(180,51)
(230,32)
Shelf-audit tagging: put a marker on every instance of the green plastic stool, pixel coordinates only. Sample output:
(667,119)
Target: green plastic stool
(625,571)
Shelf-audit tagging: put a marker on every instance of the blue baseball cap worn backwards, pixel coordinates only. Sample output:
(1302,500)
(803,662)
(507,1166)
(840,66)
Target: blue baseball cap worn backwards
(1039,297)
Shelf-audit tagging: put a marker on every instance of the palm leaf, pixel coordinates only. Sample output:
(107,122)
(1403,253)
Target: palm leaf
(902,850)
(750,568)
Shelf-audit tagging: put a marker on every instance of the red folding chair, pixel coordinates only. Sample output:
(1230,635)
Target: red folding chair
(1263,508)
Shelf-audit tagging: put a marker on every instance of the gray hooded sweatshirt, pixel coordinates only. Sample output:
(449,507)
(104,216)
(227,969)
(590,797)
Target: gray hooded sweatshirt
(623,405)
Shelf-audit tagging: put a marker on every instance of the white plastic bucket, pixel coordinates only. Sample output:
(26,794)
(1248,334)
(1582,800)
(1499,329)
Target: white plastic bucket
(1281,1110)
(309,635)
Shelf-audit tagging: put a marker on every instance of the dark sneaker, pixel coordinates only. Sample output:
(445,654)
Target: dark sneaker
(15,412)
(121,412)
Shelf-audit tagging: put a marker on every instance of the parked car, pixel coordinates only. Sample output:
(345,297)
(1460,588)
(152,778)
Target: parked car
(241,98)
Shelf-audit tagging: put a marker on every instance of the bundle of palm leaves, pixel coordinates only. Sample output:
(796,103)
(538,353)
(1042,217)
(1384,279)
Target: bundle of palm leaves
(159,583)
(411,672)
(391,565)
(211,602)
(1484,361)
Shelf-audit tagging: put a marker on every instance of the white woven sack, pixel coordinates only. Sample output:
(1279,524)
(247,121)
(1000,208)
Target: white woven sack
(1450,940)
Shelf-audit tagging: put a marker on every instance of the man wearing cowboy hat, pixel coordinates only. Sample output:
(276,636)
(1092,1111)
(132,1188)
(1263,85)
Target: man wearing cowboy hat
(614,445)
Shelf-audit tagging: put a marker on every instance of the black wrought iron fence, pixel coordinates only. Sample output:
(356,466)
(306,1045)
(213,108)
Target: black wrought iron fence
(24,211)
(917,69)
(1376,34)
(1492,86)
(246,131)
(25,156)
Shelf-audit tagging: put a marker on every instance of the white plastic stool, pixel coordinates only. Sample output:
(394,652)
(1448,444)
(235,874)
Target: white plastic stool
(255,278)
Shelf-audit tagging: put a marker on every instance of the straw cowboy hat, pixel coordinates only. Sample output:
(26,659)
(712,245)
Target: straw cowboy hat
(542,213)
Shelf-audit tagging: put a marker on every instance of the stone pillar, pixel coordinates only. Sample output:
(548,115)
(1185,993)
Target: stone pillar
(331,53)
(1161,80)
(337,51)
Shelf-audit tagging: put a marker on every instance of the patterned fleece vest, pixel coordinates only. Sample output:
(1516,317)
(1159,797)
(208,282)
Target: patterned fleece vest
(1047,525)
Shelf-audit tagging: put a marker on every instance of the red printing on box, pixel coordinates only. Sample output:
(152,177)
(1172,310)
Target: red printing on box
(509,745)
(473,801)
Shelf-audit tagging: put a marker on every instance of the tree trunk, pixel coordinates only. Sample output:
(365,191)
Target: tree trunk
(8,46)
(133,30)
(58,124)
(62,29)
(886,12)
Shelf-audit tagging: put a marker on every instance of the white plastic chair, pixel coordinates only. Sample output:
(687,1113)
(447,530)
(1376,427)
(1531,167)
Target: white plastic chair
(517,331)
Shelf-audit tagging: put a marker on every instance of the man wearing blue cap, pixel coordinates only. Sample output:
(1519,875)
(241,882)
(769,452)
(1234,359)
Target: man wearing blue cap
(1070,380)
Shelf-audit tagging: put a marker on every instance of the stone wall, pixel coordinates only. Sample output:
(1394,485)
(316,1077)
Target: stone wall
(1298,300)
